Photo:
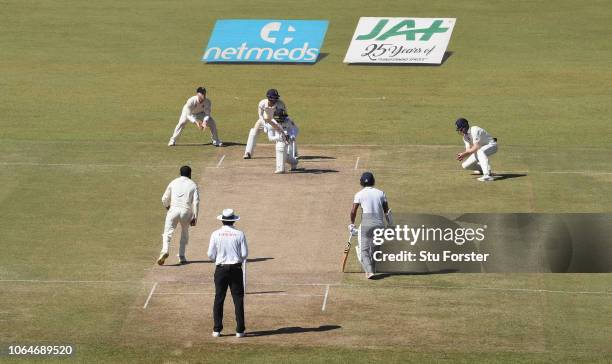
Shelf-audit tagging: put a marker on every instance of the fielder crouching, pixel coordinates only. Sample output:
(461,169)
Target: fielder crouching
(479,146)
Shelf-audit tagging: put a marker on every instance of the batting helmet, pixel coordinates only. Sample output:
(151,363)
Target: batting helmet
(280,115)
(462,124)
(367,179)
(201,90)
(272,94)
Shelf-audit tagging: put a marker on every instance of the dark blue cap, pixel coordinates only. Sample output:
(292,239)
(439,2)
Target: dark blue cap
(201,90)
(272,94)
(462,123)
(367,179)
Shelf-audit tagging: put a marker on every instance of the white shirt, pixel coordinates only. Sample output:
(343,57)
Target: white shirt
(182,193)
(478,135)
(371,200)
(193,107)
(266,112)
(228,245)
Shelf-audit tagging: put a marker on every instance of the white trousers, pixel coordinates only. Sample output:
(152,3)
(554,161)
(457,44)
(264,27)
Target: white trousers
(480,159)
(284,154)
(183,120)
(252,139)
(175,216)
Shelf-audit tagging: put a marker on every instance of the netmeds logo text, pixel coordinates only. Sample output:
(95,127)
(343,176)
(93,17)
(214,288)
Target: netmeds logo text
(294,41)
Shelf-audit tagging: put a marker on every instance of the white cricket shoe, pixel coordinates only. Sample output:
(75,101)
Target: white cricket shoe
(182,260)
(171,143)
(217,143)
(216,334)
(279,172)
(369,275)
(486,179)
(294,167)
(247,155)
(240,334)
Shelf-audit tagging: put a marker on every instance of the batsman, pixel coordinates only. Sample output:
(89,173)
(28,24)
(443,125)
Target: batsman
(374,210)
(286,144)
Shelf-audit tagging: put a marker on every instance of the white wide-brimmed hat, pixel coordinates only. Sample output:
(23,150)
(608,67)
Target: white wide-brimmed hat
(228,215)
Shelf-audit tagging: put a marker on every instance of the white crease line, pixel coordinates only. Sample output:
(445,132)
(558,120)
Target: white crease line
(220,161)
(61,281)
(382,168)
(325,299)
(250,294)
(150,295)
(85,165)
(530,290)
(382,98)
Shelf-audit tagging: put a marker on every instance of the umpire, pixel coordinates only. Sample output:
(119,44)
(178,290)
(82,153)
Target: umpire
(228,248)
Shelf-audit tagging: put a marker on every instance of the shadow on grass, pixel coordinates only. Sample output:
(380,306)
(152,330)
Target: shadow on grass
(387,275)
(293,330)
(314,170)
(503,176)
(265,292)
(309,157)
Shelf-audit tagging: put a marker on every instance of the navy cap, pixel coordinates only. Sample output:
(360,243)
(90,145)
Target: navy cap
(272,94)
(367,179)
(201,90)
(462,123)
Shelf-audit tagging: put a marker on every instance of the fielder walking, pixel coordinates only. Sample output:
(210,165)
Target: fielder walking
(265,111)
(374,210)
(228,249)
(197,110)
(479,146)
(182,200)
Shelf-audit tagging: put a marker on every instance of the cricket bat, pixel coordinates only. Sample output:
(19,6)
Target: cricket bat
(347,249)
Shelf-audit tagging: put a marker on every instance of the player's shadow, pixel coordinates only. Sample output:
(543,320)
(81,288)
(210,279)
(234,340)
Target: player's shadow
(265,292)
(502,176)
(310,157)
(293,330)
(315,170)
(387,275)
(446,56)
(233,144)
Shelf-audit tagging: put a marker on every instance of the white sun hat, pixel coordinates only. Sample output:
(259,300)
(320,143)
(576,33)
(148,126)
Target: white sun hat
(228,215)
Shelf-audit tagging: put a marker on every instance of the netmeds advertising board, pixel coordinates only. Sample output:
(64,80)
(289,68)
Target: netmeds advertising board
(261,40)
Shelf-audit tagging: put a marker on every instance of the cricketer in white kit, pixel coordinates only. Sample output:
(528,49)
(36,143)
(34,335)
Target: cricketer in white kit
(265,111)
(197,110)
(182,200)
(286,141)
(479,146)
(374,211)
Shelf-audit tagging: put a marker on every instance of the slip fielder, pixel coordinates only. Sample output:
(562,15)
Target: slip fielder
(265,110)
(479,146)
(197,110)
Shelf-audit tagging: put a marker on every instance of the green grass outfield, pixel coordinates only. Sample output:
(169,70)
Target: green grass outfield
(92,90)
